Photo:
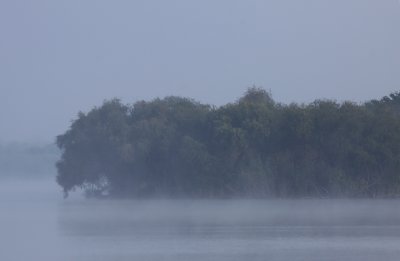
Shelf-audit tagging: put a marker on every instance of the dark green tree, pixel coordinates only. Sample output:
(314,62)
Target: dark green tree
(253,147)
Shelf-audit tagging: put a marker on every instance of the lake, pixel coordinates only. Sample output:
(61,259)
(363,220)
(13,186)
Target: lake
(36,223)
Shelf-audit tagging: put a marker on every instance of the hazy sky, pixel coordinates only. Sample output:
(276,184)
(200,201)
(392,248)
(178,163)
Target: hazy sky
(59,57)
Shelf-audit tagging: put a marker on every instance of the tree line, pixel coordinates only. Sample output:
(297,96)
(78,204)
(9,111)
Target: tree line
(253,147)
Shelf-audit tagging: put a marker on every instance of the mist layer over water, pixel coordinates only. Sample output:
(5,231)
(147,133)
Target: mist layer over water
(37,224)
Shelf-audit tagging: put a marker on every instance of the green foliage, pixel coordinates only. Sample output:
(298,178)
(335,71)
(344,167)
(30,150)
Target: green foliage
(254,147)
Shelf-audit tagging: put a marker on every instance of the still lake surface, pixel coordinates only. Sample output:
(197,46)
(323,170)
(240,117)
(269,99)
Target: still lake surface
(37,224)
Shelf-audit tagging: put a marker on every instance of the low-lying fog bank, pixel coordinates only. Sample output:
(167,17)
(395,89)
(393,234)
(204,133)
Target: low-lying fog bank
(37,224)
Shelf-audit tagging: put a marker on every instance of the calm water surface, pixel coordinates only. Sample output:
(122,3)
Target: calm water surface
(37,224)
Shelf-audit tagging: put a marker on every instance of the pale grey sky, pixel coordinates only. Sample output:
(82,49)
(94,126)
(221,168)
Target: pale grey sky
(59,57)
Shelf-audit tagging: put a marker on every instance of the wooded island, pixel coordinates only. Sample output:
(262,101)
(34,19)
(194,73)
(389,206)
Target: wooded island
(253,147)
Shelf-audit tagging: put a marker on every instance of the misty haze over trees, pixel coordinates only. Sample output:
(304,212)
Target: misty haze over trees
(253,147)
(28,160)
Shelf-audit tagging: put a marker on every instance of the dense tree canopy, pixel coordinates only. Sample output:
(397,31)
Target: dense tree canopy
(253,147)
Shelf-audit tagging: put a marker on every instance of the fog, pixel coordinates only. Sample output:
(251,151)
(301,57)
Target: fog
(28,160)
(57,58)
(37,224)
(61,57)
